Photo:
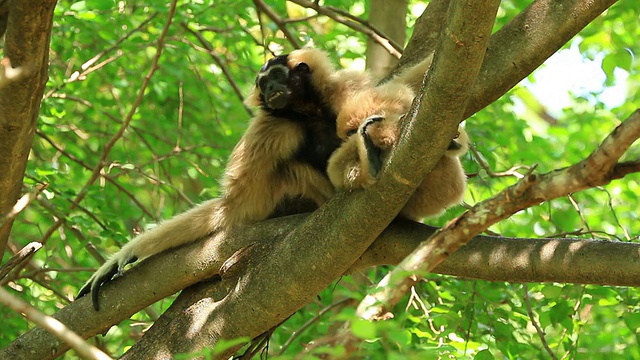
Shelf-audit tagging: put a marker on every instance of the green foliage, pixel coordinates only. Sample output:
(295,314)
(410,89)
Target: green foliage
(190,117)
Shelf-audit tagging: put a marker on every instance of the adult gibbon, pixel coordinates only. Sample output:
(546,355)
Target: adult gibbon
(282,155)
(369,125)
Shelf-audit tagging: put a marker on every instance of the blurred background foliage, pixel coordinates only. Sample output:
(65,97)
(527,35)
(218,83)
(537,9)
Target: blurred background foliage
(192,114)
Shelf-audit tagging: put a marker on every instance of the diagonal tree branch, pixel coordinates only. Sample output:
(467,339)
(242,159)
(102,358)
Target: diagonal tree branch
(361,26)
(593,171)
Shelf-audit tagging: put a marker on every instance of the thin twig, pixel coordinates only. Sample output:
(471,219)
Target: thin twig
(354,23)
(576,207)
(23,202)
(22,255)
(535,324)
(316,318)
(55,327)
(262,7)
(615,215)
(513,171)
(218,60)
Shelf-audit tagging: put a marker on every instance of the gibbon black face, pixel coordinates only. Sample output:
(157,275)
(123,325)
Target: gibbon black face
(273,82)
(282,87)
(286,91)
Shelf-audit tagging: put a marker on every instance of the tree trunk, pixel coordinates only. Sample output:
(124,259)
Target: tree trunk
(390,17)
(28,30)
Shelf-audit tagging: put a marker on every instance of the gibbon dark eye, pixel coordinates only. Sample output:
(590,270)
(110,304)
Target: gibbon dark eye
(261,83)
(351,132)
(303,67)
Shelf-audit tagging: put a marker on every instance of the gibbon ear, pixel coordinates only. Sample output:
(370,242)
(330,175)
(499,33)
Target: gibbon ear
(302,67)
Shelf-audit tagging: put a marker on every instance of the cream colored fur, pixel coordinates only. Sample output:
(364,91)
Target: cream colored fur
(259,174)
(349,166)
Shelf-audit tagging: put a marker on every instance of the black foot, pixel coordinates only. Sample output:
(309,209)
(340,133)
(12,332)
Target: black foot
(374,154)
(102,277)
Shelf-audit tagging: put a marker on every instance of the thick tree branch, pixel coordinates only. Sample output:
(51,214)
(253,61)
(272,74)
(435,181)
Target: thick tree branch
(593,171)
(457,59)
(485,257)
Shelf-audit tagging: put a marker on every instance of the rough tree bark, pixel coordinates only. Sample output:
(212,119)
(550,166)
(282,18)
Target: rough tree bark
(28,30)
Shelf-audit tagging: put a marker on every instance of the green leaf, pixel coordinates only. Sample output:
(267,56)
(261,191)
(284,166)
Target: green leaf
(483,355)
(363,329)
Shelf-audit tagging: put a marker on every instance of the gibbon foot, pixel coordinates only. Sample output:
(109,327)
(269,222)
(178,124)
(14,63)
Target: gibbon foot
(374,153)
(113,268)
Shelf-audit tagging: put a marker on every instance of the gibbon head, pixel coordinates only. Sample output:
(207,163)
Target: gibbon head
(389,101)
(286,81)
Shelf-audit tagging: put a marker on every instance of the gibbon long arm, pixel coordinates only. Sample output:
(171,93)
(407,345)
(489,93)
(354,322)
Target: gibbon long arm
(283,154)
(369,125)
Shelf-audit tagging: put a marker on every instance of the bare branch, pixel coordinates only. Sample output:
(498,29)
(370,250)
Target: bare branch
(55,327)
(262,7)
(218,60)
(595,170)
(22,255)
(535,323)
(22,203)
(355,24)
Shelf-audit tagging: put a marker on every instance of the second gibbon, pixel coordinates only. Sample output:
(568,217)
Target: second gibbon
(369,124)
(282,155)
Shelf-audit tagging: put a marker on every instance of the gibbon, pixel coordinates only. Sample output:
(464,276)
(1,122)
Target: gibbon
(369,125)
(282,155)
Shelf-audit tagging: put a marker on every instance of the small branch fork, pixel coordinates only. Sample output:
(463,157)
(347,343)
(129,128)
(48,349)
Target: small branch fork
(599,168)
(354,23)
